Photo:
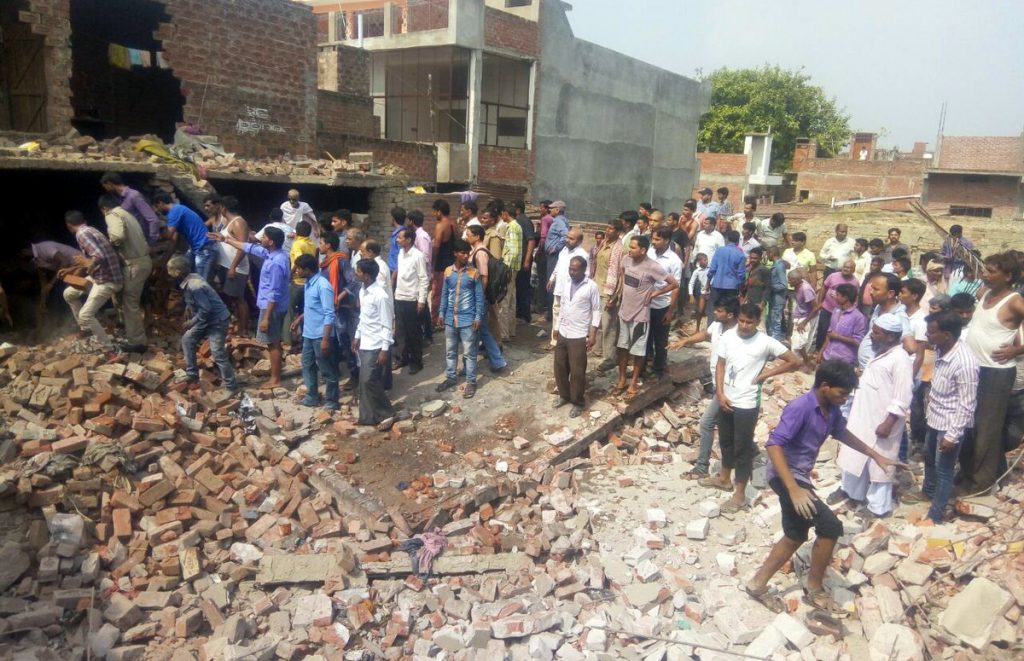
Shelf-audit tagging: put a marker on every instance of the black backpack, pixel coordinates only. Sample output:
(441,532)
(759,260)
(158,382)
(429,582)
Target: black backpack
(498,277)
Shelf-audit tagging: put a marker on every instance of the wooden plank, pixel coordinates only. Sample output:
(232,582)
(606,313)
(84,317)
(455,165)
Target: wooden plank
(444,565)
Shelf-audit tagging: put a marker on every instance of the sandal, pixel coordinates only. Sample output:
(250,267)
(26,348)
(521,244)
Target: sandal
(731,507)
(766,598)
(617,390)
(822,602)
(694,474)
(821,623)
(712,482)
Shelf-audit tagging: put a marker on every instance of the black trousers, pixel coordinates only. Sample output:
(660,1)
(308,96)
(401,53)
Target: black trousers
(409,335)
(551,261)
(374,405)
(571,369)
(657,341)
(523,293)
(980,460)
(736,440)
(824,319)
(918,406)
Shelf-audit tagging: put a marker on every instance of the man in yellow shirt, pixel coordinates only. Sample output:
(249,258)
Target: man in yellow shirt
(302,245)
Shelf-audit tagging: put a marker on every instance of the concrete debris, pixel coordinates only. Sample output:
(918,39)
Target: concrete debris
(163,522)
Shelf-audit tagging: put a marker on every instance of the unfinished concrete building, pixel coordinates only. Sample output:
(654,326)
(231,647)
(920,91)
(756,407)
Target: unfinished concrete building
(516,104)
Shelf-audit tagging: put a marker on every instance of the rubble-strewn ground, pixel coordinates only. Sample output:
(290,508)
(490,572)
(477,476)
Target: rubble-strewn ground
(145,520)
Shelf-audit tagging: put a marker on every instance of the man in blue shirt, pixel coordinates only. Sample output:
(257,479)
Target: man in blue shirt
(555,240)
(398,217)
(463,307)
(272,295)
(182,220)
(318,345)
(728,271)
(209,319)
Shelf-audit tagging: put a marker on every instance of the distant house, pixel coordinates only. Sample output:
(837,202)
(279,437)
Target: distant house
(746,174)
(977,176)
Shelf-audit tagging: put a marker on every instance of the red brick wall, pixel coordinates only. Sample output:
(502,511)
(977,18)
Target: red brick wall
(344,69)
(511,33)
(345,113)
(425,15)
(250,67)
(501,165)
(842,179)
(247,69)
(724,164)
(1000,193)
(418,161)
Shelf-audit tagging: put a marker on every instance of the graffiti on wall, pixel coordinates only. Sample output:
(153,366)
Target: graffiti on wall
(255,121)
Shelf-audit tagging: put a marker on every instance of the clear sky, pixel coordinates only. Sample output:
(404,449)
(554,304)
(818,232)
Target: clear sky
(889,63)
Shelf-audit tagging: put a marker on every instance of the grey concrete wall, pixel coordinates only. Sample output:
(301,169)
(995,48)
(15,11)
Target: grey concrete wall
(611,131)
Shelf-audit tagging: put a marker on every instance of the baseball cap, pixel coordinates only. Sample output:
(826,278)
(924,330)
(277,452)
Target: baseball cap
(705,191)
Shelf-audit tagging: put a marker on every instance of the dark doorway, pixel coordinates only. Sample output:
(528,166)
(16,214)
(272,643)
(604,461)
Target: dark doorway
(22,74)
(119,83)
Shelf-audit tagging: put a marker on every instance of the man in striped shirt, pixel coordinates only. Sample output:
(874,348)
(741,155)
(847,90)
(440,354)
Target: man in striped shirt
(100,264)
(951,404)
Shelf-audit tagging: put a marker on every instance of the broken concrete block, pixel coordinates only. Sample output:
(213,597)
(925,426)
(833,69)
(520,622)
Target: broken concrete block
(896,642)
(726,562)
(13,563)
(971,614)
(698,528)
(434,408)
(913,573)
(732,621)
(656,517)
(314,610)
(769,641)
(103,639)
(709,509)
(794,630)
(121,612)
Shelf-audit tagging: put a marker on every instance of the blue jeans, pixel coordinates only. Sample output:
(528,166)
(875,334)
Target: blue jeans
(938,473)
(203,260)
(315,362)
(217,332)
(491,347)
(469,340)
(708,421)
(775,311)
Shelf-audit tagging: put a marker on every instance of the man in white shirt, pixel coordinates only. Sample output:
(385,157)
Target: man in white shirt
(372,342)
(277,220)
(662,306)
(773,231)
(295,210)
(836,250)
(578,320)
(747,240)
(708,240)
(411,287)
(742,366)
(558,284)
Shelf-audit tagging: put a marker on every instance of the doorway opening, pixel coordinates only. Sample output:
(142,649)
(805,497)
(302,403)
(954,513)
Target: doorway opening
(22,73)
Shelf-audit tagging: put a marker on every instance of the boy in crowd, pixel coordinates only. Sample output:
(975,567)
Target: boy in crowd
(209,319)
(698,283)
(793,448)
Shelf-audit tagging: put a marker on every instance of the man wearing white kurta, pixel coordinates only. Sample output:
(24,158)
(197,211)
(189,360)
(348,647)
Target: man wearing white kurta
(879,411)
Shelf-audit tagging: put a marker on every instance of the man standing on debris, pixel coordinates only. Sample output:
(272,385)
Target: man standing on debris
(373,341)
(952,399)
(512,256)
(398,221)
(232,268)
(728,271)
(726,312)
(318,343)
(558,281)
(443,257)
(955,252)
(411,287)
(479,258)
(773,232)
(524,290)
(793,448)
(640,277)
(662,307)
(578,320)
(130,244)
(742,366)
(208,318)
(100,265)
(996,322)
(880,409)
(836,250)
(337,268)
(846,327)
(606,275)
(462,309)
(557,236)
(295,210)
(132,201)
(272,296)
(202,252)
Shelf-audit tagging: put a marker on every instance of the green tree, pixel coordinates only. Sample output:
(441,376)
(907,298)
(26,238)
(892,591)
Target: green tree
(771,98)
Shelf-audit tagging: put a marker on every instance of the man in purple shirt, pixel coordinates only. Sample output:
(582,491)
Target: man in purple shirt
(272,295)
(846,327)
(793,449)
(133,202)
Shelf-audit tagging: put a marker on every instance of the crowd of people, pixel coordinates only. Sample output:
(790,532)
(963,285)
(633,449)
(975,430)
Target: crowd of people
(910,360)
